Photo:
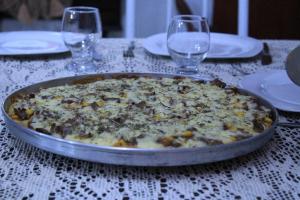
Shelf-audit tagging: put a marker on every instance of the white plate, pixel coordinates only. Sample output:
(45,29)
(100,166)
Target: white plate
(276,87)
(31,42)
(222,46)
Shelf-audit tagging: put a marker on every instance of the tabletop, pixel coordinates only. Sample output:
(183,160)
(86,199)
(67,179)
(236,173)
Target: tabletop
(26,172)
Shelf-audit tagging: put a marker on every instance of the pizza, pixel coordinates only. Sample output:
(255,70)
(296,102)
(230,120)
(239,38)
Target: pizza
(143,112)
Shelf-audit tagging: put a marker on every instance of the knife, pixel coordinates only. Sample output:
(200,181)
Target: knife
(266,58)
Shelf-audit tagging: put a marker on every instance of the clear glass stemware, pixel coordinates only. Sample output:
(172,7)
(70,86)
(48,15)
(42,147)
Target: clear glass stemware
(81,28)
(188,42)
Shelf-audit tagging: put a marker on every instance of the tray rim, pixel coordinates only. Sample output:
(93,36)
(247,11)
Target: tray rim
(126,150)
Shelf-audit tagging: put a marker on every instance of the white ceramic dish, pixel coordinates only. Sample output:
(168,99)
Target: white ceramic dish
(31,42)
(222,46)
(276,87)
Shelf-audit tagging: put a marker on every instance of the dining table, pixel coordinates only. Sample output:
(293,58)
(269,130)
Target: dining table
(27,172)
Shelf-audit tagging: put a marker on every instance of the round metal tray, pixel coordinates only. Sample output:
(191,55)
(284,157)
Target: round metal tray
(131,156)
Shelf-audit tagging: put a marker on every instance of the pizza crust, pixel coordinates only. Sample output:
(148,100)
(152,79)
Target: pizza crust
(143,112)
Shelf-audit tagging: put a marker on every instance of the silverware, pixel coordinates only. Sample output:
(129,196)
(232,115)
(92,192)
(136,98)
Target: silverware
(282,121)
(265,55)
(129,52)
(293,65)
(289,124)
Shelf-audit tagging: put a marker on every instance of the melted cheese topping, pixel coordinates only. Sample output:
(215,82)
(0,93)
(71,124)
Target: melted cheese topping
(143,112)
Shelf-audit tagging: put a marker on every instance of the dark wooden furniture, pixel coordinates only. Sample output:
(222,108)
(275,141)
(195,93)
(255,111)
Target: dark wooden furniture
(272,19)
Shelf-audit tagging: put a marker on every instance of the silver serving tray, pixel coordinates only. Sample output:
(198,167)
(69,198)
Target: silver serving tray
(131,156)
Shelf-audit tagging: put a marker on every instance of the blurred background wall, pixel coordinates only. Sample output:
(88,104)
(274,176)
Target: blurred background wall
(277,19)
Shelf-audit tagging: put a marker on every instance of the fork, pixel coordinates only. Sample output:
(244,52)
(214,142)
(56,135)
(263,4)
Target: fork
(129,52)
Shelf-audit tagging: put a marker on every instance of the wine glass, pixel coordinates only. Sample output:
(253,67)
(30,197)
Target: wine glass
(81,28)
(188,42)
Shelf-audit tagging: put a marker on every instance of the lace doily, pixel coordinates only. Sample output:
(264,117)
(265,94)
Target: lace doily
(26,172)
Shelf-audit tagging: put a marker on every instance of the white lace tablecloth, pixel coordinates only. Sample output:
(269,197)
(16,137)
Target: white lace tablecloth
(272,172)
